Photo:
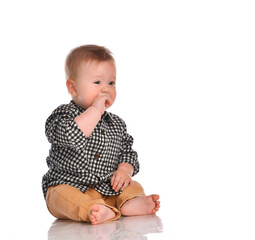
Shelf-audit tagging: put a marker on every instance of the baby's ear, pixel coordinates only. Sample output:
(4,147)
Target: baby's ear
(70,84)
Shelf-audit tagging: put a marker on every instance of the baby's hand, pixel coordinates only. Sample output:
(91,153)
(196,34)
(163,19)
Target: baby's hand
(121,179)
(101,102)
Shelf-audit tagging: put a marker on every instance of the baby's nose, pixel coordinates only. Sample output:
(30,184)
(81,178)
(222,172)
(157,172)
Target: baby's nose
(105,89)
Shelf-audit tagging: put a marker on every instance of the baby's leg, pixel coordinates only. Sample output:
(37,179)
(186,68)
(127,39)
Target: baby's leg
(67,202)
(141,206)
(132,201)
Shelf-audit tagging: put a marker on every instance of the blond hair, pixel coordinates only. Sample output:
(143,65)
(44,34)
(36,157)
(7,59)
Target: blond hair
(85,53)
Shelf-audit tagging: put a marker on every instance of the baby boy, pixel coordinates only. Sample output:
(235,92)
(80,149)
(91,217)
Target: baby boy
(91,161)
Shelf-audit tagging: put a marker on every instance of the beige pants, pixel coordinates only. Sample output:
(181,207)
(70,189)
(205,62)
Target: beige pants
(67,202)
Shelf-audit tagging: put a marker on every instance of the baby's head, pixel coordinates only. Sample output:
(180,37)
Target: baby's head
(90,71)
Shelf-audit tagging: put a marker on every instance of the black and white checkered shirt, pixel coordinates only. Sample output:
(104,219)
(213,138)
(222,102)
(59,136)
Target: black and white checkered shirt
(79,161)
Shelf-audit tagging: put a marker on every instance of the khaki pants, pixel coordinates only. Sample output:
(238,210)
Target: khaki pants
(67,202)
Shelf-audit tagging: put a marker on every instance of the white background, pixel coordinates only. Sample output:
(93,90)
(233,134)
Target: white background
(185,89)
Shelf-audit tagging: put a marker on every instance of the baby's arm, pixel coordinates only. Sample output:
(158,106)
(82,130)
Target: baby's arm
(88,120)
(121,179)
(129,165)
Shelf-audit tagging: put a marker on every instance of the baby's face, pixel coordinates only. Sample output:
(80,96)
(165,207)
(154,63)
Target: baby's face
(93,79)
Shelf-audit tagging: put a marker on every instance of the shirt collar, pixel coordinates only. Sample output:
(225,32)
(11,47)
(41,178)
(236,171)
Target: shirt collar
(81,109)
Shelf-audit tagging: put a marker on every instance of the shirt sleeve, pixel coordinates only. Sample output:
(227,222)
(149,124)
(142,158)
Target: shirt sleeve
(62,130)
(128,154)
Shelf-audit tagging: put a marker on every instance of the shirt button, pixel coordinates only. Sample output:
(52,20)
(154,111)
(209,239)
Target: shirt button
(97,156)
(102,131)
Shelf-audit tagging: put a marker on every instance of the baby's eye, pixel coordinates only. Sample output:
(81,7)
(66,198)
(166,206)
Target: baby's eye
(97,82)
(112,83)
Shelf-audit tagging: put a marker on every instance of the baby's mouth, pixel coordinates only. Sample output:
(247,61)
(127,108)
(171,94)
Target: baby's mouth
(107,103)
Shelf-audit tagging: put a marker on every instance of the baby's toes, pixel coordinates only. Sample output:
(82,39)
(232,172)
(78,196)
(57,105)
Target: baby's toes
(155,197)
(92,218)
(154,211)
(157,206)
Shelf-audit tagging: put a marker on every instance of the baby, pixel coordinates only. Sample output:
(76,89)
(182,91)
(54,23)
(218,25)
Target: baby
(91,161)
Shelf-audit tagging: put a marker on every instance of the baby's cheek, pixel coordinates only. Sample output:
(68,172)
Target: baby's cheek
(80,98)
(114,96)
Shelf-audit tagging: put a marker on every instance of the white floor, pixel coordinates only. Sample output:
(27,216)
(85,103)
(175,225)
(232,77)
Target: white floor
(177,219)
(142,227)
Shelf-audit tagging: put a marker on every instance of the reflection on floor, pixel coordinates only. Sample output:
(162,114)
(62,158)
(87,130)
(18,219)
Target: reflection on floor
(124,228)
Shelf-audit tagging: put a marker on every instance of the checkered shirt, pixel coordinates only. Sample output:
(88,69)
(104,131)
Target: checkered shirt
(81,161)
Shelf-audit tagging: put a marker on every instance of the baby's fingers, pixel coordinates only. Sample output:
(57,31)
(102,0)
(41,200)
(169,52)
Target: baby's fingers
(115,181)
(126,184)
(112,180)
(119,184)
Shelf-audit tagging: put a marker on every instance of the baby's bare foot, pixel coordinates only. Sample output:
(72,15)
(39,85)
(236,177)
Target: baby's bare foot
(141,206)
(100,214)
